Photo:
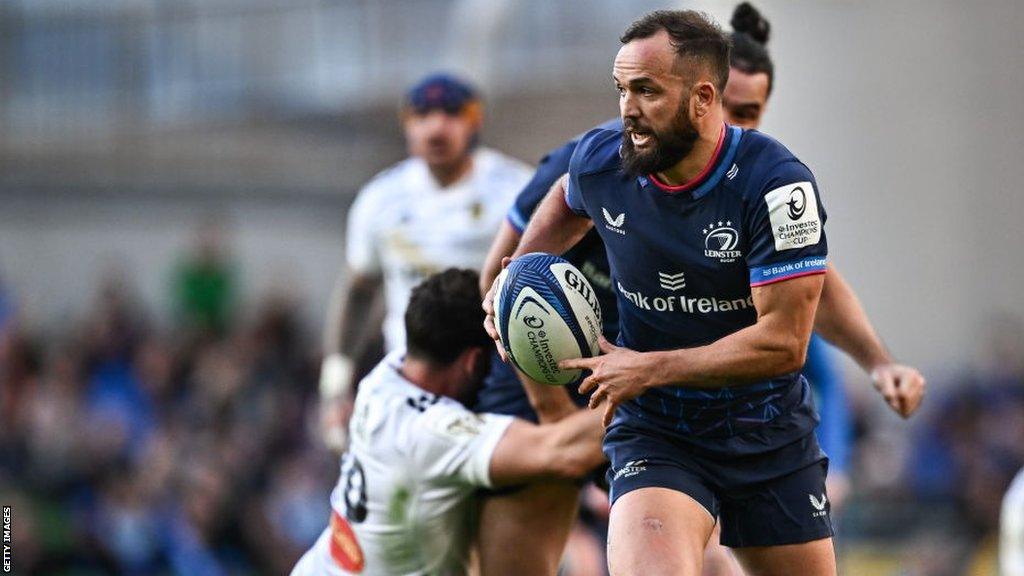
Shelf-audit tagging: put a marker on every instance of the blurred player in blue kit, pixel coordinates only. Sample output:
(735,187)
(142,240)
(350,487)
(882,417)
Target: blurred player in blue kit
(763,229)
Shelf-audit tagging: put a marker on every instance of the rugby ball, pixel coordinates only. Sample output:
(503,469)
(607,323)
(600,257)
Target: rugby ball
(545,312)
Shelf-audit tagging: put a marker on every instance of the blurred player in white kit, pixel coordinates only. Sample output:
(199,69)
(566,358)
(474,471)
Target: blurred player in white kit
(405,499)
(437,209)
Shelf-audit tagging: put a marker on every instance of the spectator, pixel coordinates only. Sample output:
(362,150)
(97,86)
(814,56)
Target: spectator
(204,282)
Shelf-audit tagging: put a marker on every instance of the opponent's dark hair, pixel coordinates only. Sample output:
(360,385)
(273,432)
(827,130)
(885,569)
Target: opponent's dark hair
(749,43)
(693,34)
(444,317)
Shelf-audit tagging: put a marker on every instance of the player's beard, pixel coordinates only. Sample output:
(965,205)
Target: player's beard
(470,389)
(668,149)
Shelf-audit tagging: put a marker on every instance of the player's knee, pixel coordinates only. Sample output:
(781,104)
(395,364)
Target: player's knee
(649,546)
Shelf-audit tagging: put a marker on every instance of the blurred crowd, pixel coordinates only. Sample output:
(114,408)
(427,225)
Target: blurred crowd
(191,449)
(929,494)
(129,449)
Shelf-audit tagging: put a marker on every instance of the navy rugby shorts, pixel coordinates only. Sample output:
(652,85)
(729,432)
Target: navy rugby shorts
(770,498)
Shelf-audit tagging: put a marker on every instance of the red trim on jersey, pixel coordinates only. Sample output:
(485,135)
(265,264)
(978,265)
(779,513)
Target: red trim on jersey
(344,545)
(700,177)
(781,278)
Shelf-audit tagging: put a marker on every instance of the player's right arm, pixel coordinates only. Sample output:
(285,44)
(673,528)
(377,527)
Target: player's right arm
(554,228)
(568,449)
(503,246)
(355,304)
(551,403)
(490,450)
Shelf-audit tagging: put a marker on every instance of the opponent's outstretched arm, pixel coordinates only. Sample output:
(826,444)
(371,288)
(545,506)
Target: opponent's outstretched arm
(568,449)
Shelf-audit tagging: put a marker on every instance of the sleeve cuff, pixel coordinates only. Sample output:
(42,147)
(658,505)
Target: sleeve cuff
(772,273)
(568,197)
(516,220)
(495,429)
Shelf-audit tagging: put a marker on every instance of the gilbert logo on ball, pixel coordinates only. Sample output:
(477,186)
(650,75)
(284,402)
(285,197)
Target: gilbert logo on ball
(546,312)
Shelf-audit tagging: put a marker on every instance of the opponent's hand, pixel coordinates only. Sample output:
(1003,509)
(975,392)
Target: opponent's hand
(618,375)
(335,405)
(488,305)
(901,386)
(334,416)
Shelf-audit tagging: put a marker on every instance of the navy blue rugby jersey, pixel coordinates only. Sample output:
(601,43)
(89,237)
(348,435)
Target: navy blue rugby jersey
(684,259)
(588,254)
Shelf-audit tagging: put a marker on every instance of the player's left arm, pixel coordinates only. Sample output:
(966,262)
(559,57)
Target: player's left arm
(841,320)
(775,345)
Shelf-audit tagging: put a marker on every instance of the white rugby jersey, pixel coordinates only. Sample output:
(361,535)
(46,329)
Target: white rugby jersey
(1011,529)
(403,503)
(404,226)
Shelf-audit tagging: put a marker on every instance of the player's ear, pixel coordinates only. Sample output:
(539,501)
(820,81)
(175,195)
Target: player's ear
(704,96)
(470,359)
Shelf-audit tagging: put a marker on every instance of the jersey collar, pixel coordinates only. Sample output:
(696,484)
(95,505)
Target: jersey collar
(712,173)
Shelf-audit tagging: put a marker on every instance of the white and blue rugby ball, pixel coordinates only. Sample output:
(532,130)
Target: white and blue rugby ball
(545,312)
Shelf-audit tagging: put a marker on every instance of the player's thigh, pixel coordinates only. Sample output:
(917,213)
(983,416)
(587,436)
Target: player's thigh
(525,531)
(657,531)
(815,558)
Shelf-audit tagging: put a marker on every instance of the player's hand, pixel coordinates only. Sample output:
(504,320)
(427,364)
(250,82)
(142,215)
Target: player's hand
(334,416)
(335,406)
(618,375)
(901,386)
(488,305)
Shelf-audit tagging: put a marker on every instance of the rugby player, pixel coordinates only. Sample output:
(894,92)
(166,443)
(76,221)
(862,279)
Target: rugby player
(404,501)
(840,316)
(715,418)
(1011,529)
(435,210)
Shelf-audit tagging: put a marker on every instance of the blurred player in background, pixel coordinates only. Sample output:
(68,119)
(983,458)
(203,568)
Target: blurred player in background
(1011,529)
(435,210)
(405,499)
(840,317)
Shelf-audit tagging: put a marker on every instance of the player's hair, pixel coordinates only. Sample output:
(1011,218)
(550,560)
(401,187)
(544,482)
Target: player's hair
(750,41)
(694,35)
(444,317)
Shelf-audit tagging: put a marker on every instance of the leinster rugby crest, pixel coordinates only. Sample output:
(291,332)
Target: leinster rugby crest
(721,241)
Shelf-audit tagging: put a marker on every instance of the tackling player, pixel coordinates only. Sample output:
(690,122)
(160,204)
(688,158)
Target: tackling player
(840,316)
(404,501)
(435,210)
